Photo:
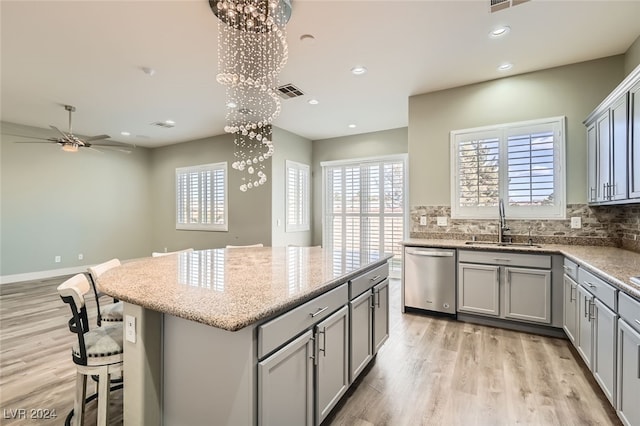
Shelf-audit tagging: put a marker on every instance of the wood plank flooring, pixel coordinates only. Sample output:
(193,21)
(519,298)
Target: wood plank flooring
(431,371)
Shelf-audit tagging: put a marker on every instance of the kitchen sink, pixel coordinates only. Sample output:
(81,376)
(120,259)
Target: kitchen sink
(495,243)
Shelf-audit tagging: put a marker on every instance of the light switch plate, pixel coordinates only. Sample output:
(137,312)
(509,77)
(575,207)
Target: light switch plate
(423,220)
(576,222)
(442,221)
(130,328)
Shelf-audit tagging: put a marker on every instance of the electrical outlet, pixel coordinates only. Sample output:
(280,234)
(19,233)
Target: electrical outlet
(58,259)
(442,221)
(576,222)
(423,220)
(130,328)
(80,256)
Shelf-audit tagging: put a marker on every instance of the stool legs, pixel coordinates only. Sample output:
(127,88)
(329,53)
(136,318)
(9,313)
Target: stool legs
(104,382)
(81,394)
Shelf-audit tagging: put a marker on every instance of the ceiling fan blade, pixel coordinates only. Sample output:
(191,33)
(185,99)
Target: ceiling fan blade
(64,135)
(115,148)
(97,138)
(31,137)
(114,144)
(42,141)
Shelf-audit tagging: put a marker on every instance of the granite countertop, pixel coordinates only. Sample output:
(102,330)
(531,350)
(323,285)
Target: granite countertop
(615,265)
(233,288)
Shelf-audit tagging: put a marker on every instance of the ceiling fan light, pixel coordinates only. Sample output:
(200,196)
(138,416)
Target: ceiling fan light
(69,147)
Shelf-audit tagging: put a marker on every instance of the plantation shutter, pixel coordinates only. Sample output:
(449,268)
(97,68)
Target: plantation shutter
(201,197)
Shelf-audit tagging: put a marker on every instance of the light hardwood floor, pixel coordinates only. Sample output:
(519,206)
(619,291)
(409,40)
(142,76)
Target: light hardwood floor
(431,371)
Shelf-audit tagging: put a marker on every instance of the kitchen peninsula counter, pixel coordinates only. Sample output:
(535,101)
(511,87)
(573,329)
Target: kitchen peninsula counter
(198,317)
(615,264)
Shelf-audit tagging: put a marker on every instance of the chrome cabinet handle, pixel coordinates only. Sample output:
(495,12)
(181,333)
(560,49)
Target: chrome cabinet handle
(590,285)
(585,306)
(592,310)
(501,259)
(592,192)
(572,295)
(566,268)
(319,311)
(324,342)
(637,321)
(375,278)
(376,298)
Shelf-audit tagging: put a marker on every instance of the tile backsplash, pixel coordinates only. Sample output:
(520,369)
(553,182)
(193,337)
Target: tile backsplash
(617,226)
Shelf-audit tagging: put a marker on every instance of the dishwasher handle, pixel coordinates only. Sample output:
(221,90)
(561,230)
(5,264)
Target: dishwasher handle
(429,252)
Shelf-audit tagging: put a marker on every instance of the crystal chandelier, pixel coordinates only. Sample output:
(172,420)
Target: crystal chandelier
(252,50)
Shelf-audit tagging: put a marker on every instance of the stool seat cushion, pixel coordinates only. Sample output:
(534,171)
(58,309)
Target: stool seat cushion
(112,312)
(102,341)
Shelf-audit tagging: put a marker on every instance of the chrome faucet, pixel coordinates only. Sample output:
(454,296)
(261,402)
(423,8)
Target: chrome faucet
(503,222)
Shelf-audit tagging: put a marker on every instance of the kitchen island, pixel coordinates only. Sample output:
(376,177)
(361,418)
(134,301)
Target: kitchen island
(210,323)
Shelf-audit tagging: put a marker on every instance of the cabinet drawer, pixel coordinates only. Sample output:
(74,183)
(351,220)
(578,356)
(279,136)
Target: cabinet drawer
(629,310)
(364,282)
(571,269)
(278,331)
(504,258)
(598,287)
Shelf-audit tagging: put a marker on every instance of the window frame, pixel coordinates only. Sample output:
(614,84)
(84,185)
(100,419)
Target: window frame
(305,201)
(503,132)
(213,227)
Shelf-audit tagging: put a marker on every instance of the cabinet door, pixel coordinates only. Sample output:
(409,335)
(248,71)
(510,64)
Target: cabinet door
(380,315)
(604,348)
(634,142)
(570,309)
(332,362)
(603,159)
(285,385)
(479,289)
(528,294)
(618,189)
(361,332)
(592,164)
(628,374)
(585,329)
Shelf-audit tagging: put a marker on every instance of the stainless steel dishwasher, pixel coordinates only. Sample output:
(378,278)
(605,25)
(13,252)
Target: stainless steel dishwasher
(430,279)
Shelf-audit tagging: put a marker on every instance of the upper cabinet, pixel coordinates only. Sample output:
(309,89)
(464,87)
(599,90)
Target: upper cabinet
(613,139)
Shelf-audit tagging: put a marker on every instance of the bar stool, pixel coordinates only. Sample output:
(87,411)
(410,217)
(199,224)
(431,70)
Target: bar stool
(160,254)
(112,312)
(98,352)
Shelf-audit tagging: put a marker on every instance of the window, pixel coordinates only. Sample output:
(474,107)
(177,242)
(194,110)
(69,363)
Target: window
(522,163)
(364,209)
(201,197)
(298,200)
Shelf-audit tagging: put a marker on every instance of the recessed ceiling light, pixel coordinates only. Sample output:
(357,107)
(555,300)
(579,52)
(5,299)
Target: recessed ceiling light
(313,101)
(169,121)
(307,38)
(125,133)
(500,31)
(231,104)
(352,126)
(359,70)
(505,67)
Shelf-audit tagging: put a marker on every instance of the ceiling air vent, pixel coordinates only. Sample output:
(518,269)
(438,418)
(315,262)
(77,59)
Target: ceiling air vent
(163,124)
(496,5)
(289,91)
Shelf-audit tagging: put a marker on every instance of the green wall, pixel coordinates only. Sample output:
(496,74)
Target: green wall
(572,91)
(249,212)
(55,203)
(386,142)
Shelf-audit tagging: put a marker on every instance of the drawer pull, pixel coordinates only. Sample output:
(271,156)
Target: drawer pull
(566,268)
(590,285)
(319,311)
(375,278)
(501,259)
(637,322)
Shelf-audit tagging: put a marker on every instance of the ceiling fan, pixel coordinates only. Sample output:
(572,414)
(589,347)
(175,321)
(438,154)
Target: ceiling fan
(71,143)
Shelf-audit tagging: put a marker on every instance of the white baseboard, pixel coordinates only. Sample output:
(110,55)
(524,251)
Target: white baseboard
(52,273)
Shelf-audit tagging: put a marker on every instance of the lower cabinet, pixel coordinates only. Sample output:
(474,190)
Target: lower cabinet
(570,309)
(361,331)
(628,360)
(332,362)
(527,294)
(380,315)
(479,289)
(585,328)
(604,348)
(285,384)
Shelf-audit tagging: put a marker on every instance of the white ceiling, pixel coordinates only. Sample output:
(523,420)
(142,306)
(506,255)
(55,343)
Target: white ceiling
(90,53)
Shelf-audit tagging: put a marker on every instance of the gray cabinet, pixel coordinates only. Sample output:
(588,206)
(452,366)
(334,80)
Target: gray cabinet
(332,362)
(528,294)
(604,348)
(285,384)
(592,177)
(380,315)
(505,285)
(361,332)
(617,189)
(585,329)
(479,289)
(628,386)
(603,156)
(570,311)
(634,142)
